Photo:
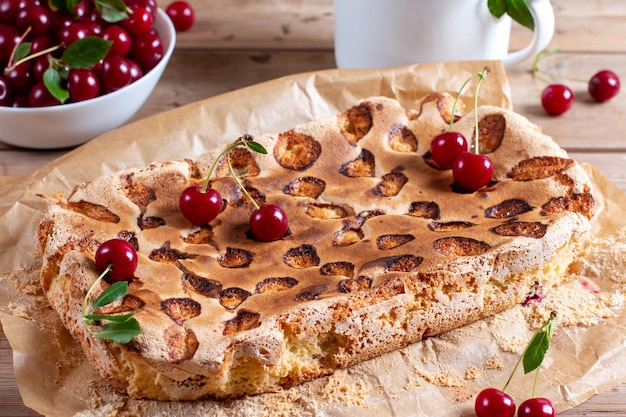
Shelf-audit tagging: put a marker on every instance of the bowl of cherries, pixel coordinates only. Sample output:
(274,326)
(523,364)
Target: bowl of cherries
(72,70)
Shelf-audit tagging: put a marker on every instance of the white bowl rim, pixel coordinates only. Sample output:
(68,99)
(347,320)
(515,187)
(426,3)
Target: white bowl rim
(163,18)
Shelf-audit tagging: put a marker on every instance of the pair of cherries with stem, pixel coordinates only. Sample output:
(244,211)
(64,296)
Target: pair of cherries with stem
(449,149)
(492,402)
(201,204)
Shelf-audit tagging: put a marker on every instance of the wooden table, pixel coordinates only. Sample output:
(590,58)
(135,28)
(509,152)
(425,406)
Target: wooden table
(238,43)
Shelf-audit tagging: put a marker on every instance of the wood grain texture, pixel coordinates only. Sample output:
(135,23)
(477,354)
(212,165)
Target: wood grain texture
(237,43)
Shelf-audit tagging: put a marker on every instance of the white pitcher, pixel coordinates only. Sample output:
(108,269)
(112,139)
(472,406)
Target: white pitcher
(388,33)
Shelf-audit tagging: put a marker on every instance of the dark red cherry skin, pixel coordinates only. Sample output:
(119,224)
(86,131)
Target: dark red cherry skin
(9,37)
(269,222)
(147,51)
(8,10)
(556,99)
(200,207)
(472,171)
(446,147)
(121,254)
(120,38)
(135,71)
(39,67)
(82,84)
(139,22)
(38,18)
(20,78)
(181,14)
(492,402)
(39,96)
(536,407)
(116,73)
(75,31)
(603,86)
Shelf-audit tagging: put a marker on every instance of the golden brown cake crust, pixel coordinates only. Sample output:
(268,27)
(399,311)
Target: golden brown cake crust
(382,250)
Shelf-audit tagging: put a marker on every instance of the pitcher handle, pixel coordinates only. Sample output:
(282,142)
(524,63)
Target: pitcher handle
(543,13)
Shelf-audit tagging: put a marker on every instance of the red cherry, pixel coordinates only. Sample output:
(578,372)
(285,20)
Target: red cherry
(121,254)
(472,171)
(120,38)
(200,207)
(135,71)
(39,67)
(116,73)
(446,147)
(181,14)
(9,37)
(150,5)
(604,85)
(8,10)
(82,8)
(39,96)
(75,31)
(492,402)
(556,99)
(82,84)
(269,222)
(38,18)
(20,78)
(147,51)
(536,407)
(139,22)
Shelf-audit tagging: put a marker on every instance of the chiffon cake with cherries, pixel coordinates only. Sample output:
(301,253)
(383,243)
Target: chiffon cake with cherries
(383,249)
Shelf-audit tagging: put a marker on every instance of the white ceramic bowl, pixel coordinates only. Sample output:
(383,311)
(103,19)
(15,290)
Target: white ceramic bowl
(71,124)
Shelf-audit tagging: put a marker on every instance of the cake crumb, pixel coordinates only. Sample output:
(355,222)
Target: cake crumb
(339,390)
(493,362)
(443,378)
(473,373)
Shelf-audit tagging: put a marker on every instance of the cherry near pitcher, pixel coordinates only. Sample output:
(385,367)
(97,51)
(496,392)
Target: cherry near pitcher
(388,33)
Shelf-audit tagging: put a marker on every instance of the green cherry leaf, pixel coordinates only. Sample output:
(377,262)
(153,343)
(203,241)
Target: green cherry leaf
(520,12)
(112,11)
(497,7)
(22,51)
(120,332)
(111,294)
(256,147)
(85,52)
(538,346)
(53,82)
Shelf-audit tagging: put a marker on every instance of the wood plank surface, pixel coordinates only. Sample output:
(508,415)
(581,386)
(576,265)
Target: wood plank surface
(237,43)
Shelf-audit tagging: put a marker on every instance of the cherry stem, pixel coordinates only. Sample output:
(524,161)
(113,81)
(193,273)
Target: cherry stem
(33,56)
(456,100)
(243,188)
(550,76)
(91,288)
(240,141)
(482,75)
(14,64)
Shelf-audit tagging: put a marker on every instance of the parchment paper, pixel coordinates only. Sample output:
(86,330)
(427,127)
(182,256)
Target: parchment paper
(436,377)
